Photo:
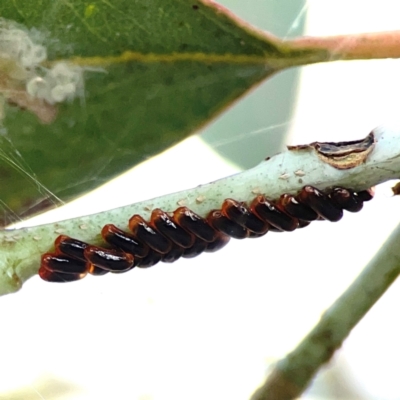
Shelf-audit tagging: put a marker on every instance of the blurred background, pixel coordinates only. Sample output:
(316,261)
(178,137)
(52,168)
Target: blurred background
(213,327)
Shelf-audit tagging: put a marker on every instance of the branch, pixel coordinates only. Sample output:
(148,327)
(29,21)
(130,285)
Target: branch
(292,375)
(319,165)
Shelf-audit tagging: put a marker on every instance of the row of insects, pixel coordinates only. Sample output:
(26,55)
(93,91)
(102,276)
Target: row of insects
(182,233)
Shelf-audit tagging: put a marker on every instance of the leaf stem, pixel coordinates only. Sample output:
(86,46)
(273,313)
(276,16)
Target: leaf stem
(292,374)
(286,172)
(353,47)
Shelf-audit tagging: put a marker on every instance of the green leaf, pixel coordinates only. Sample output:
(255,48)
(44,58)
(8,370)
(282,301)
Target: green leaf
(154,71)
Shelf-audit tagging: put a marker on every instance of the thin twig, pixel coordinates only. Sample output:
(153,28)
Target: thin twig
(287,172)
(293,374)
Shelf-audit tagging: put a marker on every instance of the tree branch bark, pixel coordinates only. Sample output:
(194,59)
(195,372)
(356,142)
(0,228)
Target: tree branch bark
(292,375)
(287,172)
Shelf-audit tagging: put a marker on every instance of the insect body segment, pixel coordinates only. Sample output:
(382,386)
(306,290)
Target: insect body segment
(123,240)
(239,213)
(170,236)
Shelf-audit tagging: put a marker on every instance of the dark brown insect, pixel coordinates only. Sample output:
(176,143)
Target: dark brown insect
(396,189)
(182,233)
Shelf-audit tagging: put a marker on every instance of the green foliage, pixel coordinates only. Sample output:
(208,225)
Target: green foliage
(154,71)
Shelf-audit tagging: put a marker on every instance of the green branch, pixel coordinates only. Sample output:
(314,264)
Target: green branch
(293,374)
(366,164)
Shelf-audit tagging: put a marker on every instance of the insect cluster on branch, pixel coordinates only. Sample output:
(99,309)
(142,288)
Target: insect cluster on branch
(182,233)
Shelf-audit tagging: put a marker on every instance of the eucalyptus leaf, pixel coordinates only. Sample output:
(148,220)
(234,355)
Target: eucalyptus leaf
(153,71)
